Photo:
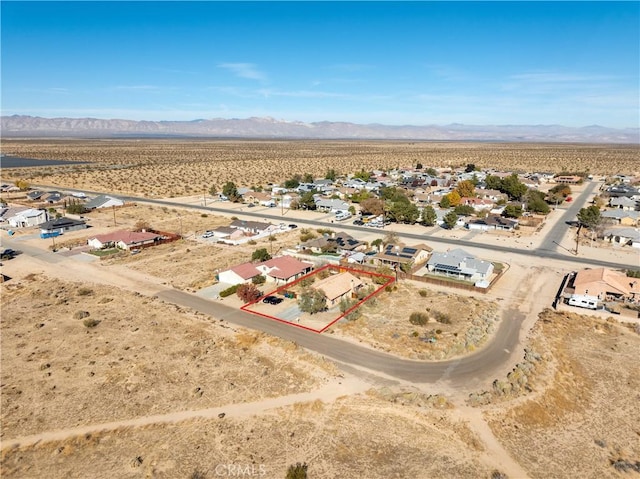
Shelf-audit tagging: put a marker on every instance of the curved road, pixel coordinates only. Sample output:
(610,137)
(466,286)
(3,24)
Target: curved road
(457,372)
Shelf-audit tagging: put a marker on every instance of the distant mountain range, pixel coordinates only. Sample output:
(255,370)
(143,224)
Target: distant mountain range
(269,128)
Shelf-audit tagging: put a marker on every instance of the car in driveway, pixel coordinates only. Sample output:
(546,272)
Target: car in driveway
(208,234)
(272,300)
(8,253)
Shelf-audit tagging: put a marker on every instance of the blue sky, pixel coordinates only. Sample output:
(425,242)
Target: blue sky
(419,63)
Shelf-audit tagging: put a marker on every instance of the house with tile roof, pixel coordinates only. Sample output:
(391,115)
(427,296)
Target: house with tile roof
(606,284)
(124,239)
(337,287)
(279,270)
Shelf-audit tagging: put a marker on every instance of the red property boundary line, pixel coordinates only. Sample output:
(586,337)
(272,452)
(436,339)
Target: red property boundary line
(341,269)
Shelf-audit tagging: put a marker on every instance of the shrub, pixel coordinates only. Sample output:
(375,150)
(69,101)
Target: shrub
(81,314)
(91,322)
(204,215)
(423,293)
(419,318)
(261,254)
(85,291)
(260,279)
(248,292)
(388,289)
(297,471)
(312,301)
(252,242)
(229,291)
(308,281)
(442,318)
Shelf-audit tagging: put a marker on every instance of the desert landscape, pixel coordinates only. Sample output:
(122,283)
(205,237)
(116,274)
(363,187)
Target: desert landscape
(171,168)
(102,377)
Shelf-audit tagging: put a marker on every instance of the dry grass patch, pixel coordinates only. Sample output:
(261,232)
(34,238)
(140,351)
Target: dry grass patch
(416,322)
(583,421)
(143,357)
(354,437)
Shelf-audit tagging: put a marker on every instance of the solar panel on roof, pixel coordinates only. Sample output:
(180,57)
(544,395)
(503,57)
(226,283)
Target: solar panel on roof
(405,256)
(447,267)
(410,250)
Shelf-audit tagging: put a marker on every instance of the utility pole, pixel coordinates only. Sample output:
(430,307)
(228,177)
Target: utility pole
(204,197)
(114,214)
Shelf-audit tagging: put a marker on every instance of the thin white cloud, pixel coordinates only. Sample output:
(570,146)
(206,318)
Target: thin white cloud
(244,70)
(556,77)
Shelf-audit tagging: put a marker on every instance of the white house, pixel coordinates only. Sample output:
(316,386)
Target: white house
(103,201)
(242,273)
(459,264)
(29,217)
(124,239)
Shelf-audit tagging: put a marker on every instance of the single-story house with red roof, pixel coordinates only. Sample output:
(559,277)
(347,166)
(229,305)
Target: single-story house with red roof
(124,239)
(279,270)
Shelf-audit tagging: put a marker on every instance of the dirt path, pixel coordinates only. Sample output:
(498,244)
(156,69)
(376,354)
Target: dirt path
(494,455)
(328,393)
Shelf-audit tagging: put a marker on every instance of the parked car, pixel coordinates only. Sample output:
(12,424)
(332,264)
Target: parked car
(207,234)
(358,222)
(272,300)
(251,205)
(292,226)
(7,254)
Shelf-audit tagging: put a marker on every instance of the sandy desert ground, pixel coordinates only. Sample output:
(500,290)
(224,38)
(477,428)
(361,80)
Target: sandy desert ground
(170,168)
(99,381)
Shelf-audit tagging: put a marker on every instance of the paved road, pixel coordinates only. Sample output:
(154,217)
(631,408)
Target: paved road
(548,248)
(461,373)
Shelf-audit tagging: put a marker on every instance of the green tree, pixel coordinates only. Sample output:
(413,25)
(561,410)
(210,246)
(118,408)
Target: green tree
(535,201)
(308,178)
(260,279)
(293,182)
(431,172)
(512,186)
(450,219)
(444,202)
(307,201)
(363,175)
(493,182)
(75,207)
(469,168)
(512,211)
(403,212)
(297,471)
(213,190)
(419,166)
(464,210)
(331,175)
(561,190)
(429,216)
(261,254)
(312,301)
(230,190)
(346,304)
(590,216)
(352,210)
(376,243)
